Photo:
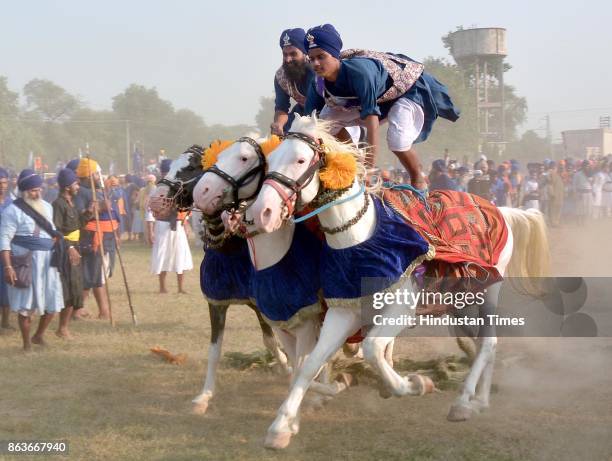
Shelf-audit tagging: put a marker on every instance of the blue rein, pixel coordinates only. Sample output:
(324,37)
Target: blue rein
(329,205)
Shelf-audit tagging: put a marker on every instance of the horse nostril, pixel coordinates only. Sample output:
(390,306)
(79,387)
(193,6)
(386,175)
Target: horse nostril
(267,213)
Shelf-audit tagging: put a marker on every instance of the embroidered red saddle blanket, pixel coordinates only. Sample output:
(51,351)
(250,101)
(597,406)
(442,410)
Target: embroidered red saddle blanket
(463,228)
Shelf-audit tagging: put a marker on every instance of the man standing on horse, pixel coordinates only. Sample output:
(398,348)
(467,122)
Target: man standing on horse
(360,87)
(291,80)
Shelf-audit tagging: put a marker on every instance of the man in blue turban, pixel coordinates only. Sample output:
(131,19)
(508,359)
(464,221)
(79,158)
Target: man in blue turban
(365,88)
(291,80)
(25,244)
(5,200)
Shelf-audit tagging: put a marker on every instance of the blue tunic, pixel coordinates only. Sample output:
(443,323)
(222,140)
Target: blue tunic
(293,283)
(363,80)
(377,263)
(282,101)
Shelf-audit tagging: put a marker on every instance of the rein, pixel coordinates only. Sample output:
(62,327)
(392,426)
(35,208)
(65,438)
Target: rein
(276,180)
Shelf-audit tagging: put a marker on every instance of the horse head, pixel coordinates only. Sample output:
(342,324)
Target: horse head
(174,191)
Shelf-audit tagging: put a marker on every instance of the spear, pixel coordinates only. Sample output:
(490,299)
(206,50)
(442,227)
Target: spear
(125,282)
(100,236)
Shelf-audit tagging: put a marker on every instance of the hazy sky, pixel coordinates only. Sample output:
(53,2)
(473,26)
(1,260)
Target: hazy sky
(218,58)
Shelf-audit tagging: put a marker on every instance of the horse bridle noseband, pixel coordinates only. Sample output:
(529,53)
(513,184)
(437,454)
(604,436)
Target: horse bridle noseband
(246,178)
(276,179)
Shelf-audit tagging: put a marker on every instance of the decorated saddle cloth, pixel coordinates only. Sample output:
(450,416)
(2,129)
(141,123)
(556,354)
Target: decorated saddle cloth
(225,273)
(288,292)
(467,232)
(376,264)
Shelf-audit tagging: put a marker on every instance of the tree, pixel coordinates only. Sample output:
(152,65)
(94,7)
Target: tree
(265,116)
(49,100)
(17,138)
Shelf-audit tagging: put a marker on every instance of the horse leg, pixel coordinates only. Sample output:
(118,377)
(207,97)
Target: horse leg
(389,353)
(270,341)
(217,326)
(481,372)
(375,346)
(338,325)
(288,342)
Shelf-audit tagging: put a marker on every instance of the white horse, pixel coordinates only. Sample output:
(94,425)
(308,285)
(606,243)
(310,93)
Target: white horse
(351,223)
(232,183)
(173,192)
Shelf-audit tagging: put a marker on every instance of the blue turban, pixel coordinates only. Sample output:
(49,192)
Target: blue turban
(28,179)
(73,164)
(293,37)
(3,173)
(164,166)
(325,37)
(439,165)
(66,177)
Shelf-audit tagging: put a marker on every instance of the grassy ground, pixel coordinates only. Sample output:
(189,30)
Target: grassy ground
(112,399)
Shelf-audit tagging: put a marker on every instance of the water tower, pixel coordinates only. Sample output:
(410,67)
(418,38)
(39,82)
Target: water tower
(480,52)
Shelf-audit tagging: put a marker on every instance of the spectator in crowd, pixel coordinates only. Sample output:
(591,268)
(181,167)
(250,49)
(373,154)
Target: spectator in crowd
(439,178)
(34,286)
(5,200)
(556,194)
(583,193)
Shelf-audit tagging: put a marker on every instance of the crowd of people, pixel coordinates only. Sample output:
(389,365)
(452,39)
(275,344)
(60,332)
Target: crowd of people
(567,189)
(59,237)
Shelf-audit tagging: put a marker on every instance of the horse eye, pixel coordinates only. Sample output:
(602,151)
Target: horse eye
(244,159)
(301,161)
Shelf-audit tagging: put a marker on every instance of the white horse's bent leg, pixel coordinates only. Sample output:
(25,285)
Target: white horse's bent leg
(288,342)
(481,372)
(339,324)
(217,327)
(271,342)
(375,347)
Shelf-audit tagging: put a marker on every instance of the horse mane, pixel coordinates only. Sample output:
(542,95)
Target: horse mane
(332,145)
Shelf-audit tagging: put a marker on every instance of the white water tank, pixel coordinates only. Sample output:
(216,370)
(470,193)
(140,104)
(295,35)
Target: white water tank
(485,41)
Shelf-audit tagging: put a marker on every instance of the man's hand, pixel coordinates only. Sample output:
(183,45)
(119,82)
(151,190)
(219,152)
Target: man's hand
(74,256)
(9,275)
(276,128)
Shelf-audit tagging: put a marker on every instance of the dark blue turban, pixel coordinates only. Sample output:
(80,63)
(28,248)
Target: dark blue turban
(28,179)
(439,165)
(164,166)
(293,37)
(3,173)
(73,164)
(325,37)
(66,177)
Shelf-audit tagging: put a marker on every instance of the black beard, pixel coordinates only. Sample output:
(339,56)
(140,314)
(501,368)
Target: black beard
(295,71)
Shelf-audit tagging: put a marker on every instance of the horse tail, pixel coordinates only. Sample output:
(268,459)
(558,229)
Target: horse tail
(530,260)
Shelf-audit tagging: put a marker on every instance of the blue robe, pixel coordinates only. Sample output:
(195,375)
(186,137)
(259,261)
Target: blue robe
(363,80)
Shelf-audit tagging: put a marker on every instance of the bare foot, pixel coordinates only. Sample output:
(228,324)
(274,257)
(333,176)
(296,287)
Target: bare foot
(78,315)
(38,341)
(103,317)
(64,335)
(182,292)
(163,291)
(27,348)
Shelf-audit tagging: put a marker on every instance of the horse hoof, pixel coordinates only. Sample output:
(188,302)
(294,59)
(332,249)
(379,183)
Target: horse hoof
(424,384)
(459,413)
(384,392)
(478,405)
(199,408)
(277,441)
(346,378)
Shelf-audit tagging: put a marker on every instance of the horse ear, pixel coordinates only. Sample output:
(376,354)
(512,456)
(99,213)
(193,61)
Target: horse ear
(313,116)
(339,171)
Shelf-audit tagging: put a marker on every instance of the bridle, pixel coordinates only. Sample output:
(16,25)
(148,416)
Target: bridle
(183,188)
(276,179)
(247,178)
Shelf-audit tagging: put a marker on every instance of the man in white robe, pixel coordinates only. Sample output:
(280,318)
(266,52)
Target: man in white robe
(21,237)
